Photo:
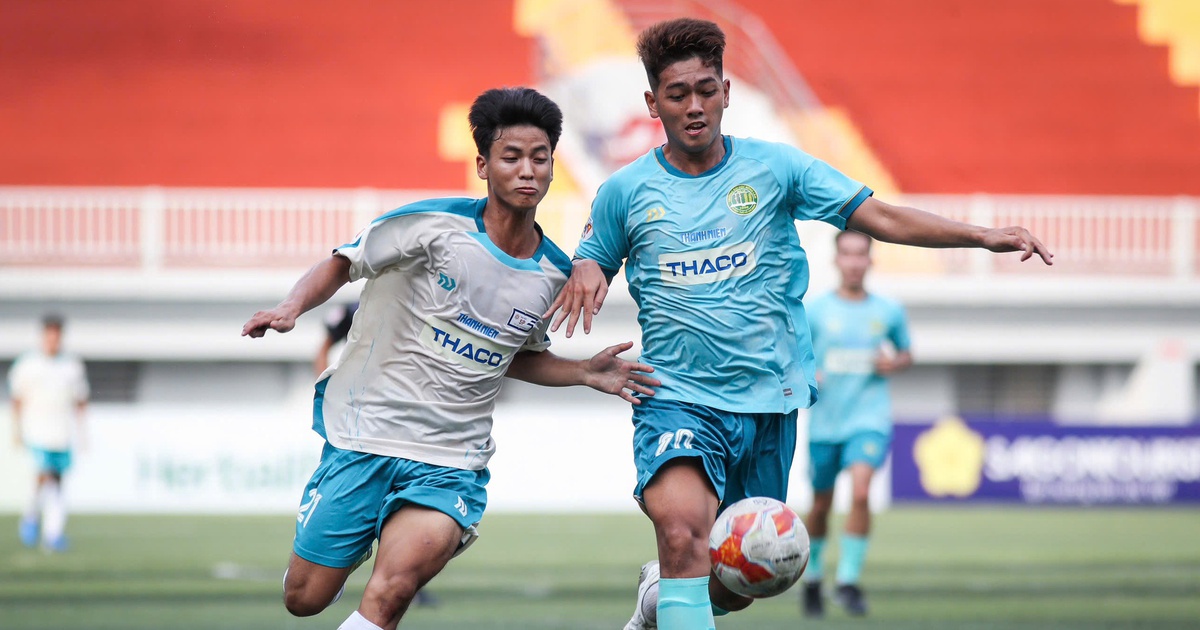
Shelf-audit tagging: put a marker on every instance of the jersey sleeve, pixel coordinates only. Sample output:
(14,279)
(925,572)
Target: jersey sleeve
(820,192)
(604,238)
(539,339)
(386,242)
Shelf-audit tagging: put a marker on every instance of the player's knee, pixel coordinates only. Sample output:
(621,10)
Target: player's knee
(391,595)
(683,541)
(305,597)
(301,602)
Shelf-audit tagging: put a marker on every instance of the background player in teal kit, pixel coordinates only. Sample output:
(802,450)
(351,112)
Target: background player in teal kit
(453,289)
(859,339)
(705,228)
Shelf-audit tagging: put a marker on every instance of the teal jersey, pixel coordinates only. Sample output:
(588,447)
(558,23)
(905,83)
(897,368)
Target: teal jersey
(847,336)
(716,269)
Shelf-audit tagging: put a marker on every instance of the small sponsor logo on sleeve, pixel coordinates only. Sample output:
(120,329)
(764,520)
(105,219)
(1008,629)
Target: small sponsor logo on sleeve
(523,321)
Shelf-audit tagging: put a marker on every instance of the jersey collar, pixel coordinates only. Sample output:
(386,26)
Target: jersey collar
(662,161)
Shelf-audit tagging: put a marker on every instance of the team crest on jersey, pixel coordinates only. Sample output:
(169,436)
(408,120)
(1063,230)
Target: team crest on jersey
(742,199)
(523,321)
(587,230)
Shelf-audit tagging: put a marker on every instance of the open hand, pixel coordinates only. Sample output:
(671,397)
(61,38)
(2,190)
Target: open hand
(611,374)
(1016,239)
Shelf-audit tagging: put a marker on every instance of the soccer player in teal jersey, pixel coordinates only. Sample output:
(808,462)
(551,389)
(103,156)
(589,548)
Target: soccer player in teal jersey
(450,307)
(704,227)
(859,339)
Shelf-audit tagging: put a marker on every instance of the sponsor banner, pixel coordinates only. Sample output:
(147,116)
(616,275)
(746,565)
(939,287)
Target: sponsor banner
(1043,463)
(707,265)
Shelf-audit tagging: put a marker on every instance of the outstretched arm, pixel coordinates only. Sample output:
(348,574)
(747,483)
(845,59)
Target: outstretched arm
(315,287)
(909,226)
(582,295)
(605,372)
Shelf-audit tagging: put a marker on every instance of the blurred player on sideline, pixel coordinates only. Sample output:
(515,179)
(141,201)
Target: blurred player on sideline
(705,228)
(452,301)
(337,327)
(859,339)
(49,400)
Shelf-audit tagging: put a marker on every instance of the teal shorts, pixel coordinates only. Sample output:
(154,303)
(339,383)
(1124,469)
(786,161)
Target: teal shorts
(352,494)
(56,462)
(744,454)
(827,459)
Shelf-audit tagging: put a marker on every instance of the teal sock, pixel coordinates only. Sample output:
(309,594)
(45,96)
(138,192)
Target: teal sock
(717,611)
(853,555)
(814,572)
(683,604)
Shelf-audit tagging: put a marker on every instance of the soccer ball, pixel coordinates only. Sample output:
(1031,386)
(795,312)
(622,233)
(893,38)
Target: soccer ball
(759,547)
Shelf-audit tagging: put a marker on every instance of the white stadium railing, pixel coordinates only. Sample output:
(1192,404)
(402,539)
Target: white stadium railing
(154,229)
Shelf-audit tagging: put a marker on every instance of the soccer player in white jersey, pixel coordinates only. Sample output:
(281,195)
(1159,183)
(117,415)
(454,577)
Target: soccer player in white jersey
(705,228)
(49,397)
(859,340)
(452,302)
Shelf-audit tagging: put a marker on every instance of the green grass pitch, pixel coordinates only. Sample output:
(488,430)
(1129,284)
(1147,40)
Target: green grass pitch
(929,568)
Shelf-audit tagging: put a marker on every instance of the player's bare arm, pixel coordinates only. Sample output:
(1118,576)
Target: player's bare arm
(606,372)
(888,364)
(314,288)
(583,296)
(909,226)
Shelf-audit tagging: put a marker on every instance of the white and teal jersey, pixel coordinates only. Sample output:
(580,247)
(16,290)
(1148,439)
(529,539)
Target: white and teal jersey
(441,316)
(716,269)
(847,337)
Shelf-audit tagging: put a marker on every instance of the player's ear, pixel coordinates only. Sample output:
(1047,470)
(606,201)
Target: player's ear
(651,104)
(481,167)
(726,104)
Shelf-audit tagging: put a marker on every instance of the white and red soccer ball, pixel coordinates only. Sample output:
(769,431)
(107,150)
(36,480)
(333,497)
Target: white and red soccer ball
(758,547)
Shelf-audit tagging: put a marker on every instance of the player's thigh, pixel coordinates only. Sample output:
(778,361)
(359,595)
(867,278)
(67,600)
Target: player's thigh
(340,507)
(763,457)
(668,430)
(416,541)
(869,448)
(824,464)
(681,495)
(457,494)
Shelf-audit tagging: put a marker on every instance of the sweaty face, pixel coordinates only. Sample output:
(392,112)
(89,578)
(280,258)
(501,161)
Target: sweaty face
(519,167)
(853,259)
(690,100)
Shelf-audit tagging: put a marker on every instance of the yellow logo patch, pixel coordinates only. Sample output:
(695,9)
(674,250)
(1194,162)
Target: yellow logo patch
(742,199)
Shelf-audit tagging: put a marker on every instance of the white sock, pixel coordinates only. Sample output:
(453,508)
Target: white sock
(357,622)
(54,513)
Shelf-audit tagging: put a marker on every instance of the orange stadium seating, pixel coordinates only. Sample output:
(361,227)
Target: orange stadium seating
(1020,96)
(276,93)
(953,96)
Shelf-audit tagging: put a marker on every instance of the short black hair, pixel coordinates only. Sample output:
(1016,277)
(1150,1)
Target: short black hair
(498,108)
(53,320)
(665,43)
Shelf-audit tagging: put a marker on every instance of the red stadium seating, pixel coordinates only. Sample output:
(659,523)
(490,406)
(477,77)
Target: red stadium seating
(1020,96)
(244,92)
